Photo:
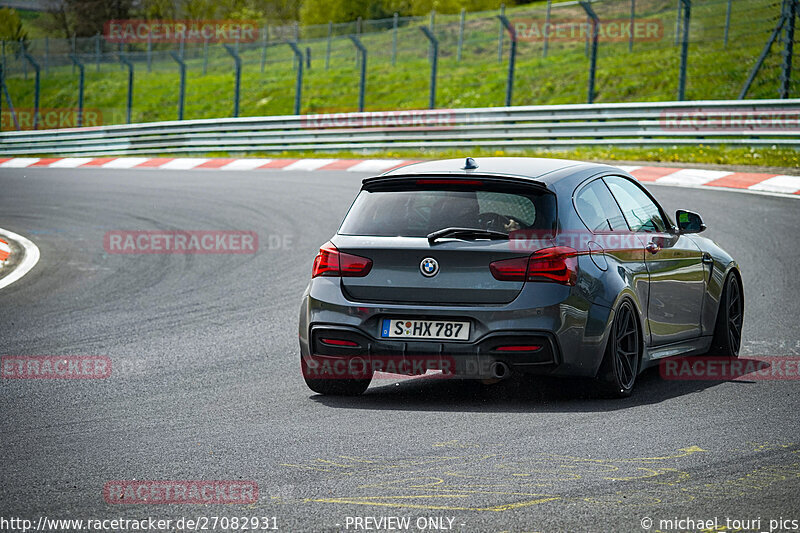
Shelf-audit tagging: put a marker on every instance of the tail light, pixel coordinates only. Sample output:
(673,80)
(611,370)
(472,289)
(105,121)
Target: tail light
(340,342)
(558,264)
(331,262)
(519,348)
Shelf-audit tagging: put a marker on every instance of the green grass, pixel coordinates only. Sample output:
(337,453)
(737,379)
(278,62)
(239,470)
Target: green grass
(649,73)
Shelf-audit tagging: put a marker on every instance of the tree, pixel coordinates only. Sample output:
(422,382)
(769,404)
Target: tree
(11,26)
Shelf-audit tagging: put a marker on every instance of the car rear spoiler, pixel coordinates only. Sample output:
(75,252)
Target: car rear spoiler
(449,180)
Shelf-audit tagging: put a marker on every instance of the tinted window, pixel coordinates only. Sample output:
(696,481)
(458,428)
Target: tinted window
(417,213)
(597,208)
(640,211)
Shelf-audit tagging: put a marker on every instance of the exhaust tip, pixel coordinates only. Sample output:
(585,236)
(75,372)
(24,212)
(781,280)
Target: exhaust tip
(500,370)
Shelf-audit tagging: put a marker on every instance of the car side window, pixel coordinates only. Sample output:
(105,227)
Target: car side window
(640,211)
(597,208)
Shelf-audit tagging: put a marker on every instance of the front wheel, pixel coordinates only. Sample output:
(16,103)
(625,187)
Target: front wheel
(728,328)
(620,365)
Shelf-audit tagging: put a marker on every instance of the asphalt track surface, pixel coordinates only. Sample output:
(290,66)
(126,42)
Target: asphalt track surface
(206,383)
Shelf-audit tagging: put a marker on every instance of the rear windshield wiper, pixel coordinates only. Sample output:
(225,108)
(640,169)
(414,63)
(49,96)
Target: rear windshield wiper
(466,233)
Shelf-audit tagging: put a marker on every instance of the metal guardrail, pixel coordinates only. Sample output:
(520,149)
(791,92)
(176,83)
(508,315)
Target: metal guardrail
(729,122)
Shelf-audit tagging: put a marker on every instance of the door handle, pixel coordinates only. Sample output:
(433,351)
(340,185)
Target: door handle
(707,258)
(652,247)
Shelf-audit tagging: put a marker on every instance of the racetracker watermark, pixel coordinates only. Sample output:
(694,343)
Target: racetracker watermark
(182,492)
(732,120)
(377,366)
(180,242)
(55,366)
(714,368)
(49,118)
(177,31)
(533,240)
(612,30)
(412,119)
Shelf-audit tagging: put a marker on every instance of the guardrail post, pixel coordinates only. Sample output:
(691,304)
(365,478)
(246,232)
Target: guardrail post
(264,47)
(4,91)
(687,13)
(36,86)
(434,43)
(238,73)
(328,45)
(728,21)
(593,59)
(124,60)
(633,21)
(500,34)
(182,94)
(511,58)
(790,13)
(460,34)
(82,78)
(362,83)
(298,87)
(394,38)
(547,28)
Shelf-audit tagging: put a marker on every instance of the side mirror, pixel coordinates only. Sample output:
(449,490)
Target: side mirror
(689,222)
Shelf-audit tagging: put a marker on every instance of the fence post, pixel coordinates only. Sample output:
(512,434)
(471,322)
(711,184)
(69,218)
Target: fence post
(308,57)
(4,56)
(511,58)
(633,21)
(264,47)
(435,56)
(182,94)
(298,88)
(687,14)
(394,38)
(547,28)
(205,54)
(238,73)
(362,82)
(4,90)
(124,60)
(728,21)
(149,53)
(77,63)
(762,57)
(591,15)
(36,86)
(46,53)
(500,34)
(432,28)
(460,34)
(789,15)
(97,52)
(328,46)
(678,23)
(358,32)
(24,63)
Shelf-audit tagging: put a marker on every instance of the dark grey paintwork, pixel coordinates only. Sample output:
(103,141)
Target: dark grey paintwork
(675,291)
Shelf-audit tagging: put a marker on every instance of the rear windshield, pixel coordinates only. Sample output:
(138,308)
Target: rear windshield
(416,213)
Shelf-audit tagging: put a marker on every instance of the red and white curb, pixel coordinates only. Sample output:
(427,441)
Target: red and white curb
(29,258)
(681,177)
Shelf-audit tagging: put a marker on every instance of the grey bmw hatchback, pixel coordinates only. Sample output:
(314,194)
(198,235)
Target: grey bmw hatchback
(486,268)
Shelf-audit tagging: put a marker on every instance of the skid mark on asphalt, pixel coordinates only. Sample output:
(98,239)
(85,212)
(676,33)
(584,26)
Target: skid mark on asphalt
(463,479)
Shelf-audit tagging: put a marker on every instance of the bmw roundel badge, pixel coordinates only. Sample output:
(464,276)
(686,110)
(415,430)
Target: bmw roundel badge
(429,267)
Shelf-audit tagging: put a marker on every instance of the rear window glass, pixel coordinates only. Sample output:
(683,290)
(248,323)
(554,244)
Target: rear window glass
(420,212)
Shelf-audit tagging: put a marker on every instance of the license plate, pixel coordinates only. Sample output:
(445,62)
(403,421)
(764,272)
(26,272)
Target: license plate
(425,329)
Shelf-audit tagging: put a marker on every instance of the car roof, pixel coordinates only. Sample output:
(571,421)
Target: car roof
(540,170)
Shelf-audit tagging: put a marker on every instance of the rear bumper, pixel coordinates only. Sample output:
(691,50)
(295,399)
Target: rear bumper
(570,331)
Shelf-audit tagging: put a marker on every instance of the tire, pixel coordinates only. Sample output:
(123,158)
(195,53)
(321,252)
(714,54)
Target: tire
(727,338)
(335,385)
(620,366)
